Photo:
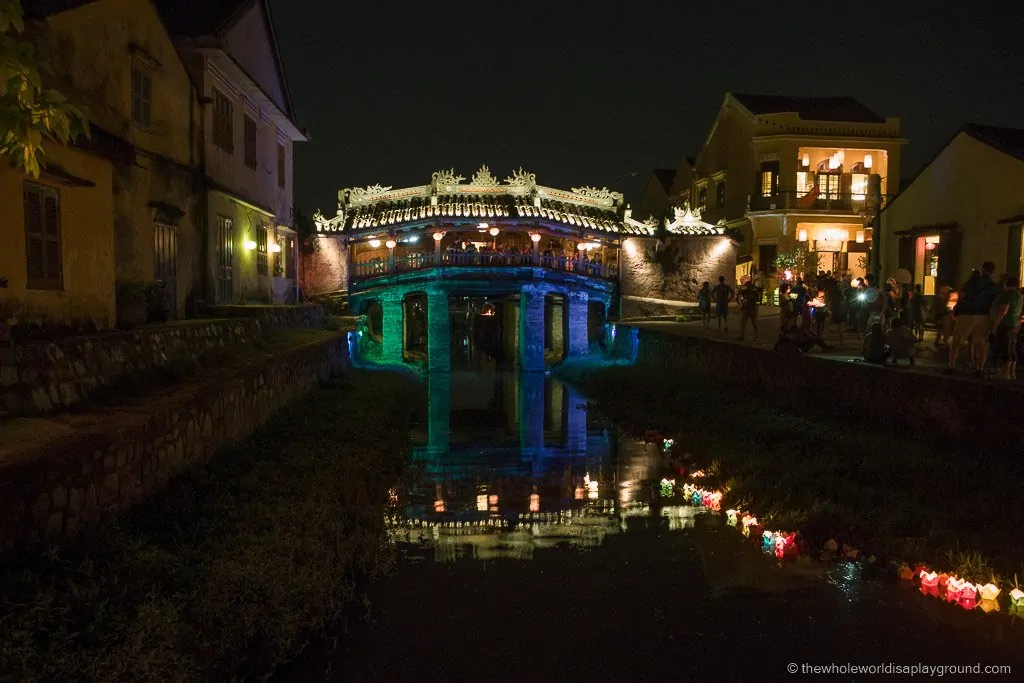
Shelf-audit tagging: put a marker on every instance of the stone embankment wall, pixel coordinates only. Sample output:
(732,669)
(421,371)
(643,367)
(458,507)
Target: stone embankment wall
(47,377)
(273,319)
(933,406)
(83,468)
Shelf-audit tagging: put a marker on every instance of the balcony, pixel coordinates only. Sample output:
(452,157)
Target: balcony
(424,261)
(840,202)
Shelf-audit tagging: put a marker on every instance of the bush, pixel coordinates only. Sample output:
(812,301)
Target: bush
(230,570)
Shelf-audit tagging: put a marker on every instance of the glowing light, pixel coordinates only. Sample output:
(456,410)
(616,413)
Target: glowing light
(488,310)
(1017,597)
(274,247)
(413,239)
(581,246)
(868,161)
(862,296)
(860,237)
(483,226)
(667,444)
(249,245)
(929,579)
(789,274)
(630,247)
(438,236)
(801,236)
(833,162)
(438,506)
(534,502)
(720,248)
(989,592)
(929,246)
(806,161)
(481,503)
(390,244)
(494,232)
(374,244)
(492,499)
(667,486)
(535,237)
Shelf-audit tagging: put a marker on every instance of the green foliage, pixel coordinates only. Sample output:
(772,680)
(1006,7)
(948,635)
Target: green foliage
(30,113)
(798,259)
(235,566)
(132,294)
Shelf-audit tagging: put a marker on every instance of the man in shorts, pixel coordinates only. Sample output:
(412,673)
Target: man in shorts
(723,295)
(972,319)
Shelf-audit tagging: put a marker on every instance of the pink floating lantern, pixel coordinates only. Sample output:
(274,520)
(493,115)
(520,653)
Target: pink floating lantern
(929,579)
(780,546)
(716,501)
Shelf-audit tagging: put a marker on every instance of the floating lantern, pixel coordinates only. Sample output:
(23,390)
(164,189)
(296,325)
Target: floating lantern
(767,542)
(852,553)
(716,501)
(968,591)
(748,522)
(666,487)
(953,587)
(1017,597)
(697,474)
(667,444)
(930,591)
(697,498)
(688,490)
(906,573)
(780,546)
(732,517)
(989,592)
(929,579)
(705,499)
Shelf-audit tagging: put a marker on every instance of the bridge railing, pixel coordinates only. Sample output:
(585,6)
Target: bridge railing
(422,261)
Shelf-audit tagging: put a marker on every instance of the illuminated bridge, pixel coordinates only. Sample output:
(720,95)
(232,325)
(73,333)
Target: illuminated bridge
(509,272)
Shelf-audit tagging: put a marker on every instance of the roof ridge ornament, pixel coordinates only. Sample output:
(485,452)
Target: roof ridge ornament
(484,177)
(446,179)
(595,193)
(521,178)
(363,192)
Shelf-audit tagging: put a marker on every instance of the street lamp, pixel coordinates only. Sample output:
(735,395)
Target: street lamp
(535,237)
(494,232)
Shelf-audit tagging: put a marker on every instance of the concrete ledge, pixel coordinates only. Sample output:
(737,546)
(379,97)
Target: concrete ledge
(58,475)
(933,406)
(273,319)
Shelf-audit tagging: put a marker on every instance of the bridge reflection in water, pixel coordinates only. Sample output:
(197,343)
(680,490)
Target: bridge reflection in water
(511,463)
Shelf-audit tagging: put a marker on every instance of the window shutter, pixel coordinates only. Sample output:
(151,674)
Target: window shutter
(51,227)
(949,259)
(34,239)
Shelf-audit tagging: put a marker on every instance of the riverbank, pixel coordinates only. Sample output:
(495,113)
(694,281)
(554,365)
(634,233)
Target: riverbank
(234,566)
(888,495)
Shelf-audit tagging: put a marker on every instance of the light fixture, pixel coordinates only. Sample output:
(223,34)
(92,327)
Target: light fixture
(275,248)
(494,232)
(482,226)
(929,246)
(806,161)
(860,237)
(438,236)
(833,162)
(801,236)
(390,244)
(581,246)
(488,310)
(374,244)
(249,245)
(868,161)
(535,237)
(413,239)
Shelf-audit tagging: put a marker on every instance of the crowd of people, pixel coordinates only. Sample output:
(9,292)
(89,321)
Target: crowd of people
(983,314)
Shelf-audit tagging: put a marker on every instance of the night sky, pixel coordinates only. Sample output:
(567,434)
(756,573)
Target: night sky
(591,93)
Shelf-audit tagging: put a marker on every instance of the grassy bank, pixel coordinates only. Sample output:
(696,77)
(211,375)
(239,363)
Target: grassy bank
(889,495)
(232,568)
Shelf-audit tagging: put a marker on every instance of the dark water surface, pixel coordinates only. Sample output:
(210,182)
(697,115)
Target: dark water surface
(535,546)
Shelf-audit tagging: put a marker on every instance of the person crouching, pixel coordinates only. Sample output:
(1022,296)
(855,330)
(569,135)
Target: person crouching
(902,342)
(875,350)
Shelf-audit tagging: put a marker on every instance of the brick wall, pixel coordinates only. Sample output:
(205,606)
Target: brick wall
(876,397)
(674,272)
(81,469)
(273,319)
(46,377)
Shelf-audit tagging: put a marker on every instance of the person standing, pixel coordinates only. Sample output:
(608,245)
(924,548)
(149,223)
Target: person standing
(704,305)
(1006,311)
(915,313)
(972,319)
(723,295)
(749,297)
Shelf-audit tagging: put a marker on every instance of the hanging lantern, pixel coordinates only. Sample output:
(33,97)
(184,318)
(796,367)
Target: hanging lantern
(535,237)
(868,161)
(488,310)
(374,244)
(801,236)
(390,244)
(806,161)
(249,245)
(438,236)
(929,246)
(860,237)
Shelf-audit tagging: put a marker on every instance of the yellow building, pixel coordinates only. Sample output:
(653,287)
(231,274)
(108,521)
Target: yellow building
(122,65)
(964,208)
(249,130)
(792,170)
(57,262)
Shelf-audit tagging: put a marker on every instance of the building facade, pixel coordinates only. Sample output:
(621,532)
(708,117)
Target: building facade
(964,208)
(246,154)
(790,172)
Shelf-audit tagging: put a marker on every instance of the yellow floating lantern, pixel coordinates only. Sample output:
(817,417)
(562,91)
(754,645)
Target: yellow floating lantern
(989,592)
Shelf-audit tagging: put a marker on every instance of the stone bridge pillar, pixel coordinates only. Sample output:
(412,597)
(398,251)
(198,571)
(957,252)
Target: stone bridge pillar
(439,332)
(531,412)
(576,422)
(439,407)
(577,311)
(531,329)
(392,327)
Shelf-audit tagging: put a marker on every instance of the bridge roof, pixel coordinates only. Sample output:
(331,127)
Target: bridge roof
(447,199)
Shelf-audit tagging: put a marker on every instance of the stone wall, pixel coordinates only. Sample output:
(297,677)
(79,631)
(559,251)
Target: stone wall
(59,475)
(324,266)
(47,377)
(273,319)
(876,397)
(652,279)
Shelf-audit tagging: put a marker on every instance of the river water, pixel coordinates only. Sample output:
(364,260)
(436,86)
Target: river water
(534,544)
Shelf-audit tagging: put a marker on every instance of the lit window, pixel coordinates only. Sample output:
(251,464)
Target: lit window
(702,198)
(769,178)
(859,186)
(142,97)
(804,183)
(249,135)
(828,185)
(261,251)
(223,122)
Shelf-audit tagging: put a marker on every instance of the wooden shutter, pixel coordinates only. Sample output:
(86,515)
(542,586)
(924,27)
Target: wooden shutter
(1013,251)
(42,238)
(907,253)
(949,259)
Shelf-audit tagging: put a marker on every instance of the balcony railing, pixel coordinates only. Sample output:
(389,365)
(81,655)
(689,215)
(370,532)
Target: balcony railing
(422,261)
(793,201)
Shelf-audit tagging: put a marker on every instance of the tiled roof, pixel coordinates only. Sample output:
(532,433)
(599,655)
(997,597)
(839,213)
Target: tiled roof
(1008,140)
(810,108)
(195,18)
